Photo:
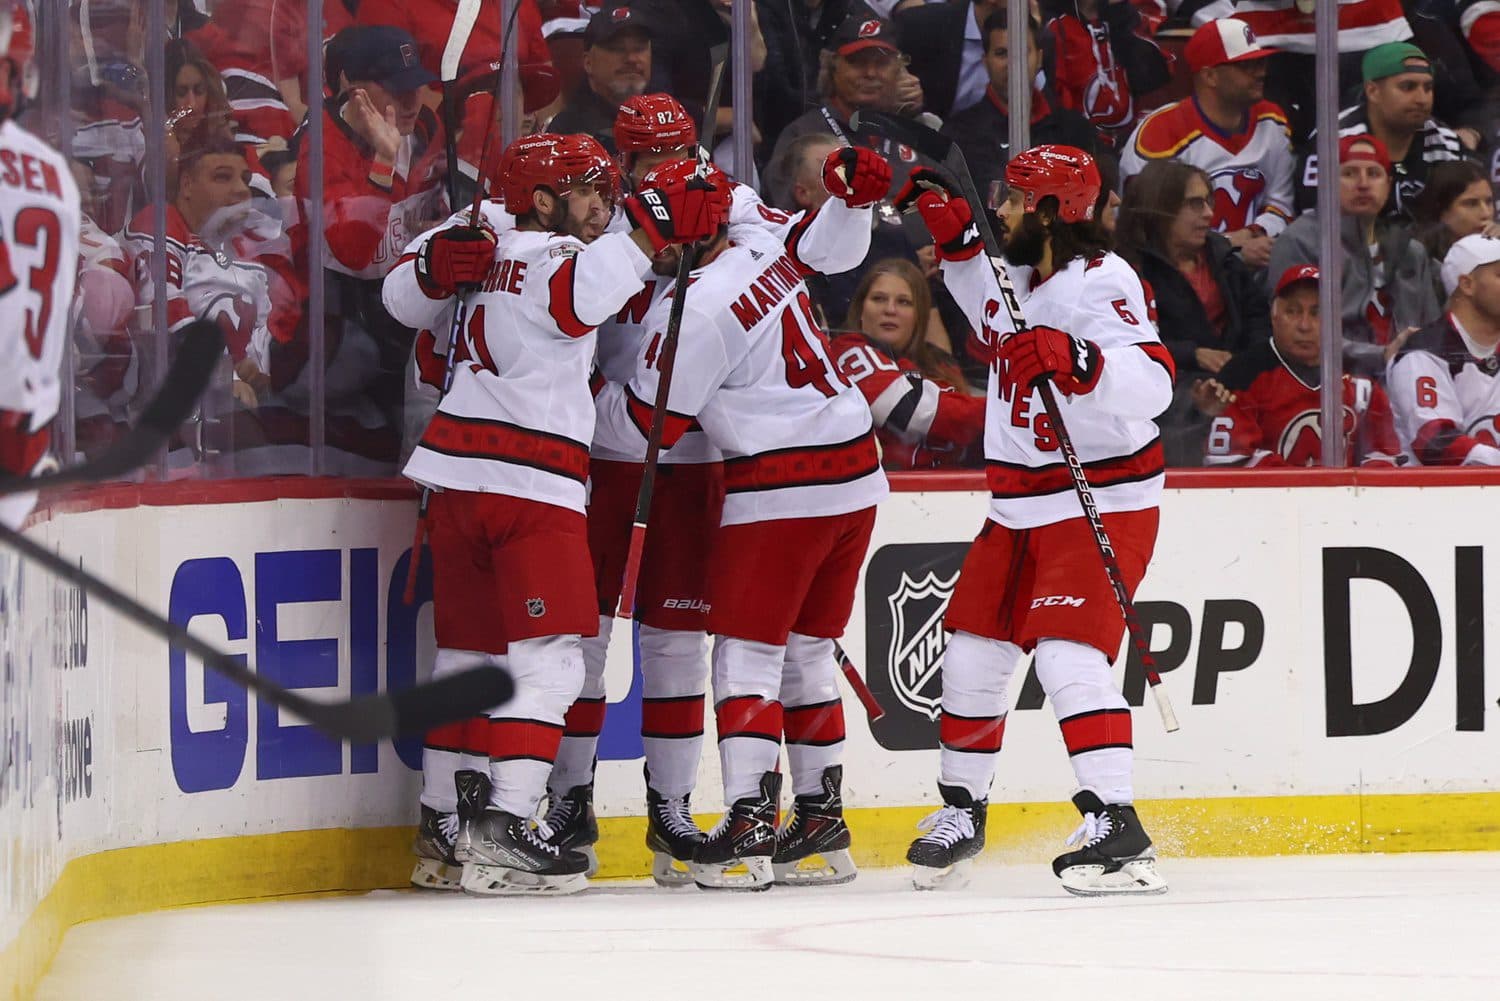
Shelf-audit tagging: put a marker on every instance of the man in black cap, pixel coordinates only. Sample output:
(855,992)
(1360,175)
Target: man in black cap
(616,66)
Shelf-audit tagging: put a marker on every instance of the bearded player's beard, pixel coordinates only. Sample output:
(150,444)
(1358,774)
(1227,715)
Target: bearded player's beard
(1026,244)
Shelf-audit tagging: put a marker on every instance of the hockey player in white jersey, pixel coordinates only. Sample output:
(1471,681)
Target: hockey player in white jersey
(40,219)
(802,477)
(1033,578)
(687,501)
(507,457)
(1444,382)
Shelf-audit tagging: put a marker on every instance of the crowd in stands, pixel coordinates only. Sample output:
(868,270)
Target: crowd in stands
(1200,112)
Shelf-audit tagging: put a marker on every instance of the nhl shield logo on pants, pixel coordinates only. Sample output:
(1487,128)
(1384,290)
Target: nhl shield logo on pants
(918,641)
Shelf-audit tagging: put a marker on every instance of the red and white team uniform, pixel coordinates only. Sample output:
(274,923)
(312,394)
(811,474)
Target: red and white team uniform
(108,367)
(39,222)
(1288,24)
(206,283)
(922,423)
(802,478)
(1445,389)
(1251,171)
(1033,578)
(1276,417)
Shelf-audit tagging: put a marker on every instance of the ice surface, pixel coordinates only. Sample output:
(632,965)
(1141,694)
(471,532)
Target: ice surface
(1358,927)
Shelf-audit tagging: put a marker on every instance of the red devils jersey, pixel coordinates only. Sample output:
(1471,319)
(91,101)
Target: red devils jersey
(922,423)
(1285,24)
(1446,393)
(1088,79)
(1112,427)
(1276,417)
(1251,170)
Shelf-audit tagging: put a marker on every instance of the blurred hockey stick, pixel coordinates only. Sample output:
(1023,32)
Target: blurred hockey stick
(199,349)
(867,698)
(944,150)
(360,720)
(667,358)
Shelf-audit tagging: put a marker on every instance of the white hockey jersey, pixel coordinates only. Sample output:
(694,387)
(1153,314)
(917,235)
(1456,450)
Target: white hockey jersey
(1251,171)
(40,219)
(1445,390)
(519,415)
(1112,427)
(830,240)
(753,369)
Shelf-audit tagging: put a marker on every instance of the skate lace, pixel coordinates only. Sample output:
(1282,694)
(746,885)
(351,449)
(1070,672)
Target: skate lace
(448,824)
(676,817)
(559,812)
(947,826)
(1094,829)
(541,836)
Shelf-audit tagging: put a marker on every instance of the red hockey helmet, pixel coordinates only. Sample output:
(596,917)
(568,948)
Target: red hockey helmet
(548,160)
(653,123)
(1063,172)
(17,45)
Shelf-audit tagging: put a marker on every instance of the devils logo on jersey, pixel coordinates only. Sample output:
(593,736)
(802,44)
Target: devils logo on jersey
(1239,196)
(1486,430)
(1301,441)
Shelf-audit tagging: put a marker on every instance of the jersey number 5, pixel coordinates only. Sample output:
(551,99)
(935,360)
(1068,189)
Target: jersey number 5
(39,228)
(805,363)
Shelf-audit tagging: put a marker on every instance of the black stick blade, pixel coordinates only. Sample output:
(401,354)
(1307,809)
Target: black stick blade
(451,698)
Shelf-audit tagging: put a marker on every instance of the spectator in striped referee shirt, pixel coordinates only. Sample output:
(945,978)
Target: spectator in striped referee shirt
(1397,109)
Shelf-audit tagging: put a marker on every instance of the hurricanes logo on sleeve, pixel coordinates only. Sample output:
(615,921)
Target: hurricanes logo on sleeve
(918,640)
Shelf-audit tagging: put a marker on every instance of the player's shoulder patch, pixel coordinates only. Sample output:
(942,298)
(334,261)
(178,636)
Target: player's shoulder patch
(564,249)
(1167,131)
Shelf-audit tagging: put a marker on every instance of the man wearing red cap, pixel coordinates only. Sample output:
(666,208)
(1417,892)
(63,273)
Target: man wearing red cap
(1274,416)
(1229,131)
(1387,283)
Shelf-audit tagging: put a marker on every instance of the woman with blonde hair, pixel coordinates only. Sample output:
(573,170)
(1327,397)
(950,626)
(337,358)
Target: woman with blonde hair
(923,415)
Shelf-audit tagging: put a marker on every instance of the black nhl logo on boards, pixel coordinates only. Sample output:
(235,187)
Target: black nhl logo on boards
(536,607)
(907,590)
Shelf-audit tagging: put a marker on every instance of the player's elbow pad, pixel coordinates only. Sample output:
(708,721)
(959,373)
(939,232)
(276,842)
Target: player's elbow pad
(907,407)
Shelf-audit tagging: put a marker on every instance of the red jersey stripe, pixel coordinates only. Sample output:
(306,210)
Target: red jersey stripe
(477,438)
(815,465)
(1095,731)
(1007,480)
(561,304)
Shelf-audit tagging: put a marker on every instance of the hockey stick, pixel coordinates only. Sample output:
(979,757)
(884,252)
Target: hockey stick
(198,354)
(718,56)
(458,40)
(361,720)
(867,698)
(939,147)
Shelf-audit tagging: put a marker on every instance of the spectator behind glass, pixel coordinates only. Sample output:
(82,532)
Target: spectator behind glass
(1445,381)
(1396,108)
(1209,305)
(1230,132)
(924,417)
(1387,276)
(616,65)
(1097,56)
(1272,415)
(107,375)
(795,32)
(946,46)
(108,98)
(195,97)
(983,130)
(382,185)
(682,32)
(861,69)
(1458,201)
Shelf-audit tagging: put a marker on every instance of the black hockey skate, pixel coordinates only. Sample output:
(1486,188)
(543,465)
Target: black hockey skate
(673,836)
(736,854)
(954,835)
(812,847)
(570,818)
(511,857)
(436,868)
(1116,854)
(473,796)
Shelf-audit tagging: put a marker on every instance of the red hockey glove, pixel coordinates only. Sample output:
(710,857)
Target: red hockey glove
(1037,353)
(679,213)
(454,257)
(858,176)
(945,212)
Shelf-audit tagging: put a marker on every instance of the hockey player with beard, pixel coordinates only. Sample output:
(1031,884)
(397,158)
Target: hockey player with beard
(506,455)
(1091,336)
(671,603)
(802,476)
(40,219)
